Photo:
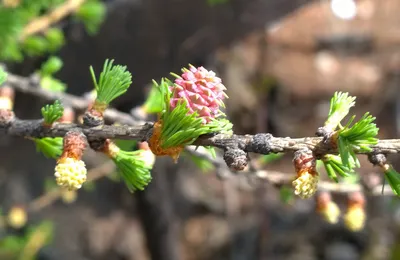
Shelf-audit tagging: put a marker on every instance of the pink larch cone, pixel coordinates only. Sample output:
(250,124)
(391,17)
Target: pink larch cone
(202,91)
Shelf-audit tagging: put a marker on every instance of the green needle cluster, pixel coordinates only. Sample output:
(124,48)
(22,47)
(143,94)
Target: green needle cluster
(114,81)
(352,138)
(134,169)
(52,113)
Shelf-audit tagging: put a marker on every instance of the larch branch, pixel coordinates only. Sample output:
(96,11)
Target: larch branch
(262,143)
(31,86)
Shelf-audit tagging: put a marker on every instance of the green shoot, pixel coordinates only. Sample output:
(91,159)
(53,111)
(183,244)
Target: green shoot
(134,169)
(154,100)
(334,167)
(51,66)
(339,108)
(359,137)
(51,113)
(92,14)
(49,147)
(393,178)
(52,84)
(113,82)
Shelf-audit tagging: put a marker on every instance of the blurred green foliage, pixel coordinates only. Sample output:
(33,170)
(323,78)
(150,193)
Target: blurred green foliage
(92,14)
(25,245)
(13,19)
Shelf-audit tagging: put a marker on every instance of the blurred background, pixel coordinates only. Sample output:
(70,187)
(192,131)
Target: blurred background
(281,61)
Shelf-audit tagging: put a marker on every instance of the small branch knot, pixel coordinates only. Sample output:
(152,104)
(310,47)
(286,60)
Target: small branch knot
(260,144)
(235,158)
(322,132)
(377,159)
(92,118)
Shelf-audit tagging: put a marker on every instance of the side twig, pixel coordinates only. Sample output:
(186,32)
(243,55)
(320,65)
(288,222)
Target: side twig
(277,179)
(42,23)
(32,87)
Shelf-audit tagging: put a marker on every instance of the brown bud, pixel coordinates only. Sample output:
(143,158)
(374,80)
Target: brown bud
(74,144)
(93,118)
(303,160)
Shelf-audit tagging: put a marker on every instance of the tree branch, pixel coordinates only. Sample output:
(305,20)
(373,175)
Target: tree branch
(278,179)
(44,22)
(36,129)
(138,129)
(262,143)
(32,87)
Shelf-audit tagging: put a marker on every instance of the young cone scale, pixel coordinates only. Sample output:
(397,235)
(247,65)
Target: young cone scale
(53,147)
(202,91)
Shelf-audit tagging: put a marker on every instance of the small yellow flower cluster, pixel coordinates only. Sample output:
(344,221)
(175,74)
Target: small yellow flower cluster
(6,103)
(70,173)
(306,184)
(17,217)
(327,208)
(355,218)
(331,212)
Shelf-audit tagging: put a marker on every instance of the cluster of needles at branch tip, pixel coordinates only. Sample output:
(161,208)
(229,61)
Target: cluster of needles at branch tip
(134,166)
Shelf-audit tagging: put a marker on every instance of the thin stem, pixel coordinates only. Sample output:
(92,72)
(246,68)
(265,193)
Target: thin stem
(42,23)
